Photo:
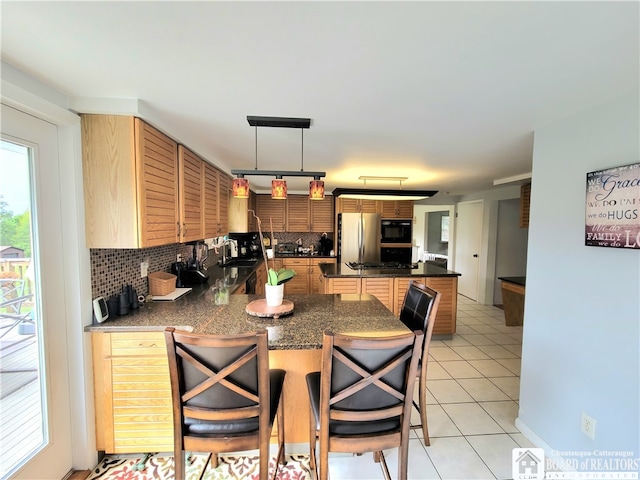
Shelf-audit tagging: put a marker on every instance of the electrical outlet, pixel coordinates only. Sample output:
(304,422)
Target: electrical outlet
(179,257)
(588,426)
(144,269)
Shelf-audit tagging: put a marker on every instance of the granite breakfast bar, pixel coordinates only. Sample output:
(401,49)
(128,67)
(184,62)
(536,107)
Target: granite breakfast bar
(131,383)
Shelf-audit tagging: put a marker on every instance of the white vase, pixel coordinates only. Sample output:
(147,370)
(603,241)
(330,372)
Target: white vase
(274,294)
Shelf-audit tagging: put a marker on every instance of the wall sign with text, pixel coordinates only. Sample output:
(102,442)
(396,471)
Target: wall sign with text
(612,210)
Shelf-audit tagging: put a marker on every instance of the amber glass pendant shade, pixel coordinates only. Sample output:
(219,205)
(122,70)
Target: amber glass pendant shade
(278,189)
(240,188)
(316,190)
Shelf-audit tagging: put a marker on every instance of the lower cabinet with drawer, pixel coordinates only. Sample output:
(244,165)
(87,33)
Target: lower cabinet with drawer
(132,392)
(299,284)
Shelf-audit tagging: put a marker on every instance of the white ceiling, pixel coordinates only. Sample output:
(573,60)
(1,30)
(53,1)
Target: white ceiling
(445,93)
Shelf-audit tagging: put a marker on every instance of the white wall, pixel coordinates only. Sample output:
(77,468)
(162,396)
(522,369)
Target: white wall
(582,306)
(511,245)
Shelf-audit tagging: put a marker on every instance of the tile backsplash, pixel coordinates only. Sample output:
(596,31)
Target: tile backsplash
(115,267)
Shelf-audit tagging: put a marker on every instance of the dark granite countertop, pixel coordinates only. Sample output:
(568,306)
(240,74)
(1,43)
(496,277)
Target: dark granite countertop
(236,276)
(233,277)
(423,270)
(516,280)
(197,312)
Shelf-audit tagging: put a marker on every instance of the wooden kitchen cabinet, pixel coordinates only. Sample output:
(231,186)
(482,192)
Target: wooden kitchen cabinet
(268,208)
(304,215)
(322,217)
(316,279)
(241,218)
(216,201)
(130,179)
(224,191)
(357,205)
(191,195)
(298,213)
(379,287)
(342,285)
(132,391)
(261,279)
(446,317)
(299,284)
(396,209)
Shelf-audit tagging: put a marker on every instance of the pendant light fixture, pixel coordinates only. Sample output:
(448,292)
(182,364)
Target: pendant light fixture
(240,188)
(316,190)
(278,189)
(278,185)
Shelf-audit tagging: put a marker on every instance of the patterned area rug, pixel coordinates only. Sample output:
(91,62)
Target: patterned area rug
(160,467)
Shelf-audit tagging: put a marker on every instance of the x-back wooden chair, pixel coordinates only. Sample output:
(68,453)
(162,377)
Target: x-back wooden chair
(225,397)
(361,399)
(419,310)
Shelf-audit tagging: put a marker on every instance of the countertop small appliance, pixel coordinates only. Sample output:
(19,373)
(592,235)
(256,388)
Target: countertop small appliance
(194,272)
(285,248)
(325,245)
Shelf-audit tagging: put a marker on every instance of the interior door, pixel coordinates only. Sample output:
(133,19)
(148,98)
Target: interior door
(468,247)
(50,454)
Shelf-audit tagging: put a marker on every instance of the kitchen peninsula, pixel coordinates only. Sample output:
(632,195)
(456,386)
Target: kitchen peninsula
(131,379)
(389,285)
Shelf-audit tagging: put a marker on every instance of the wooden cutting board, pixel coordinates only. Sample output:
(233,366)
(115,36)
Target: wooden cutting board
(259,308)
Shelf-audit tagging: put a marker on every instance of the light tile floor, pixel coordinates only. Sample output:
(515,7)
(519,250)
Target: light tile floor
(473,384)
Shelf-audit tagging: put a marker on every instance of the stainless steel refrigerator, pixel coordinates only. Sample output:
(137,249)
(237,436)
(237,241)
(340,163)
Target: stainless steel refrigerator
(359,237)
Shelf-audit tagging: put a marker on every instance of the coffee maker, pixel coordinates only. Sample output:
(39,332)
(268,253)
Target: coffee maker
(247,244)
(325,245)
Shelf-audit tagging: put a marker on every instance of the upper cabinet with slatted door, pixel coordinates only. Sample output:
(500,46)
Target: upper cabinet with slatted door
(322,215)
(356,205)
(298,210)
(130,177)
(216,201)
(272,210)
(396,208)
(191,189)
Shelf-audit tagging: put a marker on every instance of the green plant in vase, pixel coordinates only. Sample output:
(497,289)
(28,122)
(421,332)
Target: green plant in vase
(274,277)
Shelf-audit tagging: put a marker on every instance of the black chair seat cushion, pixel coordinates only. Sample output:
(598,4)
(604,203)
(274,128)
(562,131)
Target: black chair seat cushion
(195,427)
(346,428)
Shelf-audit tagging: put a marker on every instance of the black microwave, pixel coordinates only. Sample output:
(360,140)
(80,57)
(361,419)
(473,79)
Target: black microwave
(396,231)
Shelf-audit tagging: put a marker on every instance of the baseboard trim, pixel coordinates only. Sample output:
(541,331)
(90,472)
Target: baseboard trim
(551,454)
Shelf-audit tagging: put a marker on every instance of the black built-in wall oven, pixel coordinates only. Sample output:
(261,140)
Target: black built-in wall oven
(395,231)
(396,239)
(395,254)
